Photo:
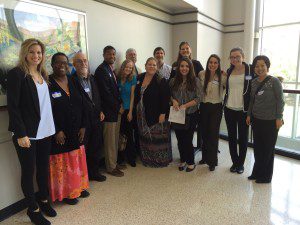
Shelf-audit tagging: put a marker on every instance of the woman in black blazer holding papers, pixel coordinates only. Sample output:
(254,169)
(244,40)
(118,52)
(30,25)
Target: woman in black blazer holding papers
(32,125)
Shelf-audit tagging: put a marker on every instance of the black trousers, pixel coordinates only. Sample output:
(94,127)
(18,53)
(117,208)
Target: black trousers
(127,128)
(211,115)
(136,133)
(94,145)
(236,124)
(264,136)
(199,131)
(35,156)
(185,145)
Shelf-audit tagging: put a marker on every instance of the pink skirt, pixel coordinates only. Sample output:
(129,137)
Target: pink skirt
(68,174)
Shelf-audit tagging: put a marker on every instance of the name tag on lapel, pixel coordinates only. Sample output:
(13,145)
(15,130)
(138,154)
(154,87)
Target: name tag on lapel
(260,92)
(215,82)
(56,94)
(248,77)
(87,90)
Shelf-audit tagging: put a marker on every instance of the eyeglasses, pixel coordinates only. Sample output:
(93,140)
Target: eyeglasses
(235,58)
(84,61)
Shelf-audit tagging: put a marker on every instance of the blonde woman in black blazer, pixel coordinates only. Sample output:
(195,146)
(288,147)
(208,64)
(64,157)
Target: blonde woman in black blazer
(31,123)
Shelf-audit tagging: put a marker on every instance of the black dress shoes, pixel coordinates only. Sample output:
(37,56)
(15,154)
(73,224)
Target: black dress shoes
(202,162)
(212,168)
(251,177)
(99,177)
(190,169)
(70,201)
(37,218)
(132,164)
(84,194)
(240,169)
(233,169)
(46,208)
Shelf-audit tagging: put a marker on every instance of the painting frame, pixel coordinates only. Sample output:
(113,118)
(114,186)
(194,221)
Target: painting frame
(60,29)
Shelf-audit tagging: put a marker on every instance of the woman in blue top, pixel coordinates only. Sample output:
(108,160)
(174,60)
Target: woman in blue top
(126,83)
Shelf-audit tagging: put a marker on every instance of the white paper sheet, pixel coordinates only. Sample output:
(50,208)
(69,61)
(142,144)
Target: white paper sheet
(177,116)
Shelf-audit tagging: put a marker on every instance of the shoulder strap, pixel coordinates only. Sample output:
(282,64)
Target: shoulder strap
(262,84)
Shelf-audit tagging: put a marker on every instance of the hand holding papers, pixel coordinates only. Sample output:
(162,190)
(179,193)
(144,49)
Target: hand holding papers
(177,116)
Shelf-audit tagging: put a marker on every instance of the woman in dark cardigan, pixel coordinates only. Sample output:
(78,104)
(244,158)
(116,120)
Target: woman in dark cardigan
(186,51)
(68,169)
(152,97)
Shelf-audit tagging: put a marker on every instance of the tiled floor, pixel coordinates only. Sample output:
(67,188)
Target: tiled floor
(169,197)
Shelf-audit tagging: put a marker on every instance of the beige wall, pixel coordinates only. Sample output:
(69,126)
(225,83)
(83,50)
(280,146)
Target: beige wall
(234,13)
(107,25)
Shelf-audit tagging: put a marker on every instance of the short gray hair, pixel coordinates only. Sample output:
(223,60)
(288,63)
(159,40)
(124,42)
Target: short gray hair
(130,50)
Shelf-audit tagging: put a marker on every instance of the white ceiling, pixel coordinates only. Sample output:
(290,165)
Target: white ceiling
(172,6)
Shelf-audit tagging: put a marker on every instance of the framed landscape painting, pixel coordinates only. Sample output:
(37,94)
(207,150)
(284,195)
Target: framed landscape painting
(60,29)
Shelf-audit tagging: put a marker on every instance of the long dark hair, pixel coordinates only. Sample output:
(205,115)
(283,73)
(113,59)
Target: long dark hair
(190,79)
(207,72)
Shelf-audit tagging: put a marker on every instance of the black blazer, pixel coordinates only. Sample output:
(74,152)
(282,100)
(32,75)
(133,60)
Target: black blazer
(93,106)
(197,68)
(69,114)
(109,92)
(22,104)
(156,98)
(249,75)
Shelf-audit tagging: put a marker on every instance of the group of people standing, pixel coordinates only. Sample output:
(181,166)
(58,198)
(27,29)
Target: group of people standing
(61,123)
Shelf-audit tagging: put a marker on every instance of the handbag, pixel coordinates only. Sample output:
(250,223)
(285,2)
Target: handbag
(122,142)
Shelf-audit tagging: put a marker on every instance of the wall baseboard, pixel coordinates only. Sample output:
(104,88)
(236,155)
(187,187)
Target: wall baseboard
(12,209)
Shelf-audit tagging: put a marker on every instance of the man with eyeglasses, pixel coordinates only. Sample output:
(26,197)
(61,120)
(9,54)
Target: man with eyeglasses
(93,135)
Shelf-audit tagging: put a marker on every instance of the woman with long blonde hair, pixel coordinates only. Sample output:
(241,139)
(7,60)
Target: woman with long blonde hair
(127,83)
(32,125)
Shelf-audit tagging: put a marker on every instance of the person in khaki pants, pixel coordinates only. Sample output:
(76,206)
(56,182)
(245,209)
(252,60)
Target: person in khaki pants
(111,106)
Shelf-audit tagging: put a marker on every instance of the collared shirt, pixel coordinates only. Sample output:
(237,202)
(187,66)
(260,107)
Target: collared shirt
(86,84)
(165,71)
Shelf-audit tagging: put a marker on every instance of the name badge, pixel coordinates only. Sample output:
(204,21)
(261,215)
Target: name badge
(248,77)
(56,94)
(215,82)
(87,90)
(260,92)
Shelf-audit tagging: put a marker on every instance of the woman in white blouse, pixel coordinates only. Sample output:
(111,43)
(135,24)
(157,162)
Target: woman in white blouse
(213,82)
(31,122)
(236,102)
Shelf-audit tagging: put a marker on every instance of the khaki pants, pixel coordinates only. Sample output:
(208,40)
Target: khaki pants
(111,132)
